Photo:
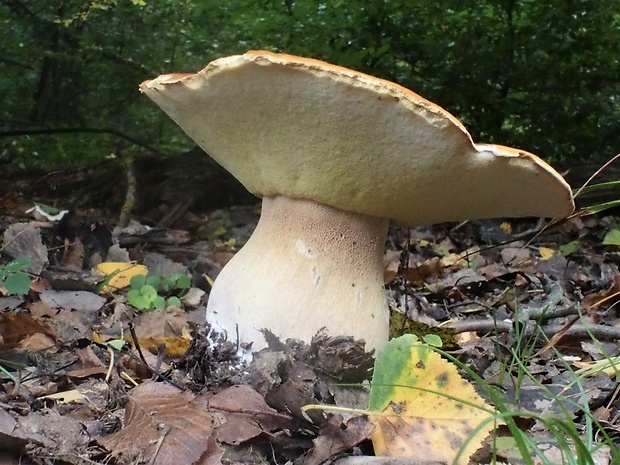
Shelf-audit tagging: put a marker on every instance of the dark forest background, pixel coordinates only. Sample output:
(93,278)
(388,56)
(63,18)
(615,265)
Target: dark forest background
(540,75)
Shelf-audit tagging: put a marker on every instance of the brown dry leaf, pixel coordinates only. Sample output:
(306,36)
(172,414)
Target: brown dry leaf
(164,426)
(335,437)
(420,272)
(61,437)
(246,415)
(391,263)
(15,328)
(417,271)
(422,408)
(73,255)
(37,341)
(167,326)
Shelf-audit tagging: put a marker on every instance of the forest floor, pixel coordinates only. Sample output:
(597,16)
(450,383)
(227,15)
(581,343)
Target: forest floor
(85,377)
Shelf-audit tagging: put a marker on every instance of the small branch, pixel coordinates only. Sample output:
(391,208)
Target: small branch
(577,330)
(130,200)
(370,460)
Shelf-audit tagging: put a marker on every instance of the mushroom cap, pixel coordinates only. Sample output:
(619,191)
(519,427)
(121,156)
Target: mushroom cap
(306,129)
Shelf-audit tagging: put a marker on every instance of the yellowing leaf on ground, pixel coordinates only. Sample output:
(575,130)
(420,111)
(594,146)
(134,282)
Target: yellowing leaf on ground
(546,253)
(173,346)
(66,397)
(506,227)
(422,408)
(119,274)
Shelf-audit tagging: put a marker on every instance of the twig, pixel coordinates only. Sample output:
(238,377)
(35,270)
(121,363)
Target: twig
(370,460)
(577,330)
(136,344)
(130,199)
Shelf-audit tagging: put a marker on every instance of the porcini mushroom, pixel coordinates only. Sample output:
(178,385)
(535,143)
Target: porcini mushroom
(337,156)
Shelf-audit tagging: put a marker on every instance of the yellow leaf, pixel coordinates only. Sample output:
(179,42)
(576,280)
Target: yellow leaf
(460,259)
(546,253)
(506,227)
(119,274)
(173,346)
(422,408)
(66,397)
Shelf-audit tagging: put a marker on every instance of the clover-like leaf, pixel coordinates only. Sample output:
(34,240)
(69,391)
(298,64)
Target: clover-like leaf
(17,283)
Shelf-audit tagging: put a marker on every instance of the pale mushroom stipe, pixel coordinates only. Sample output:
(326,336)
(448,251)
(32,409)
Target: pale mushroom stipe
(337,157)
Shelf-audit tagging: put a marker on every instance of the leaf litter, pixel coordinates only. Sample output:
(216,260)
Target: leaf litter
(67,396)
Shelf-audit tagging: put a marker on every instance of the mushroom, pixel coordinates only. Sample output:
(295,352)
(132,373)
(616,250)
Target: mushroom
(337,156)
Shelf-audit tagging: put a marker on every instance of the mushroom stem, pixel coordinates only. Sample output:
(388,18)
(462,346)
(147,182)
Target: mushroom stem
(306,267)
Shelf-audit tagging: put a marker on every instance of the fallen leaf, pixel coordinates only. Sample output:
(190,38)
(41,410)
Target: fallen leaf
(66,397)
(336,436)
(506,227)
(119,274)
(77,300)
(612,237)
(164,426)
(422,408)
(462,259)
(173,346)
(23,240)
(37,341)
(546,253)
(570,248)
(15,328)
(245,415)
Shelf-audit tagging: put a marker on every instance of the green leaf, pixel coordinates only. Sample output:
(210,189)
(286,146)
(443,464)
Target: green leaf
(181,281)
(154,281)
(142,298)
(390,364)
(159,302)
(116,344)
(136,299)
(612,237)
(17,283)
(137,281)
(433,340)
(16,265)
(570,248)
(174,301)
(149,292)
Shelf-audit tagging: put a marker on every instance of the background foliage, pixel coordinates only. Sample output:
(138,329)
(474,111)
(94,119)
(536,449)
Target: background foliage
(543,76)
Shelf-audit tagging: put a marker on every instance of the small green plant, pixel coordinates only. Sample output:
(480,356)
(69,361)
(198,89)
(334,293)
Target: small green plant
(157,291)
(14,278)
